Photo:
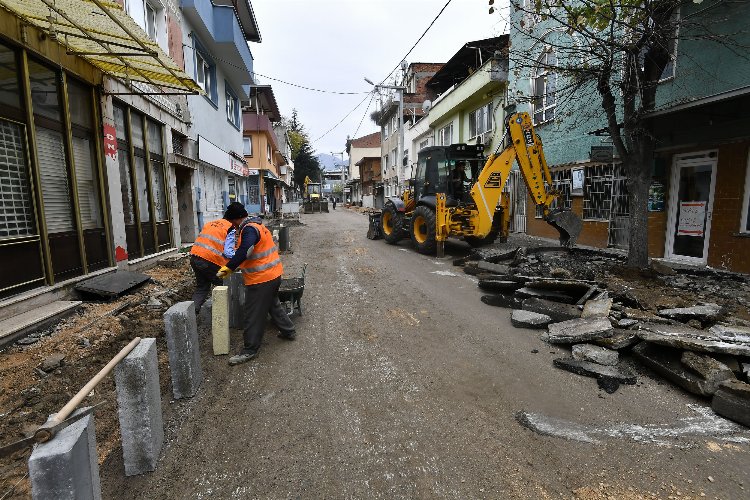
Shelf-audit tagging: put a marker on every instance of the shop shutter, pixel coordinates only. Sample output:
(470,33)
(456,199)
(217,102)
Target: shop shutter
(88,192)
(55,186)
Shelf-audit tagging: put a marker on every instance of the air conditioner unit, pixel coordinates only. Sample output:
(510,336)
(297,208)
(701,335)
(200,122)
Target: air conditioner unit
(485,138)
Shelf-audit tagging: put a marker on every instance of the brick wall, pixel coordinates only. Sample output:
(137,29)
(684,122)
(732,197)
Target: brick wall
(174,36)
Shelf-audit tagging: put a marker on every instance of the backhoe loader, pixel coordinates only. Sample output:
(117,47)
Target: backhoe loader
(453,195)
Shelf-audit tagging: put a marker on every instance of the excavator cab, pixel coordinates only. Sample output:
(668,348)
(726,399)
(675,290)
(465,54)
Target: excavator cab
(447,169)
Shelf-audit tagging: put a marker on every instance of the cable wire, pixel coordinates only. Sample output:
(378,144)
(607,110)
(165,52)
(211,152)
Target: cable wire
(309,88)
(344,118)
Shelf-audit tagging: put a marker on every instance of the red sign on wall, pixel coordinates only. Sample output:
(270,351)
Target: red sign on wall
(110,141)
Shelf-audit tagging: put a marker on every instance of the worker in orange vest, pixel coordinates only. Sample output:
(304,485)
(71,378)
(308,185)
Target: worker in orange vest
(257,258)
(209,252)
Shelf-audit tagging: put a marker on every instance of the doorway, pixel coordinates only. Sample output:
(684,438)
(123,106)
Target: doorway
(691,206)
(185,205)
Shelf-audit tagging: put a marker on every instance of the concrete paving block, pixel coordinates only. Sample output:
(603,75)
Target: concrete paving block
(701,312)
(692,339)
(666,361)
(595,354)
(220,320)
(139,408)
(501,300)
(184,350)
(527,319)
(67,467)
(577,331)
(620,339)
(732,401)
(555,310)
(596,308)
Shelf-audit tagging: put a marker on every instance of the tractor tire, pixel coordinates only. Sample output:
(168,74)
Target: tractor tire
(392,224)
(423,230)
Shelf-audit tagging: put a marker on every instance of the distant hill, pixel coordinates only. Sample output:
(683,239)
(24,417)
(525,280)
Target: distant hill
(330,163)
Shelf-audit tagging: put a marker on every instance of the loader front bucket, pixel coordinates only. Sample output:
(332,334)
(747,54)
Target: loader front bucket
(567,223)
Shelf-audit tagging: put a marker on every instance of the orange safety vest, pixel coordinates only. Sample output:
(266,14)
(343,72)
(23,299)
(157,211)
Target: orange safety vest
(209,244)
(263,264)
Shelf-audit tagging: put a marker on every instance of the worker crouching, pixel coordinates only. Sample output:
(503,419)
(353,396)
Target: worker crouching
(212,249)
(257,258)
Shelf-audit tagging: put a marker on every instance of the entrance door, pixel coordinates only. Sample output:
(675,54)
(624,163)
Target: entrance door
(690,207)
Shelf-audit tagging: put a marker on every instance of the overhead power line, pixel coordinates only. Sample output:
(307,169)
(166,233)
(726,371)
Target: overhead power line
(309,88)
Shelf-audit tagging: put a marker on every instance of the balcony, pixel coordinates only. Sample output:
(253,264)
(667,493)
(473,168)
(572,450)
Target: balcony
(219,31)
(491,76)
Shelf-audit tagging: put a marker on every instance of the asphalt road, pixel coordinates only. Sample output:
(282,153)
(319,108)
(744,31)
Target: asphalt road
(402,384)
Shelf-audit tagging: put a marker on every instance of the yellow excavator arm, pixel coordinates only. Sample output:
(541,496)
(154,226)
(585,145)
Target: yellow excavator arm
(526,148)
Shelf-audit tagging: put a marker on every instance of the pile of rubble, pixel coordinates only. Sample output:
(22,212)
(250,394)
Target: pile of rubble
(589,301)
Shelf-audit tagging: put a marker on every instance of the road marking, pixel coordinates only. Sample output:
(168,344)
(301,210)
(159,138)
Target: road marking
(444,273)
(704,423)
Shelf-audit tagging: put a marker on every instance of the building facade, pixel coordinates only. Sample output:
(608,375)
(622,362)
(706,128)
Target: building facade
(262,151)
(700,186)
(358,148)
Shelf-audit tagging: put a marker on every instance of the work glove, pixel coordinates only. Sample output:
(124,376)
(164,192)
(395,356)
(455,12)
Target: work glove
(224,272)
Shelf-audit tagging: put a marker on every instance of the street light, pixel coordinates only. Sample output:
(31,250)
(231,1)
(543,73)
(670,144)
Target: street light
(400,91)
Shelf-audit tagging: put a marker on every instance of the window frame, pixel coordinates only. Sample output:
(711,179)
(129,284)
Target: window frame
(486,121)
(202,55)
(745,221)
(593,178)
(442,134)
(231,97)
(542,71)
(247,140)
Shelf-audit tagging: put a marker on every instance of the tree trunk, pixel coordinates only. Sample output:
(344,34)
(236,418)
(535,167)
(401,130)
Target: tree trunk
(638,168)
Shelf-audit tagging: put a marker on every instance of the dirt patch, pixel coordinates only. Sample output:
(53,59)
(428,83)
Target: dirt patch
(87,340)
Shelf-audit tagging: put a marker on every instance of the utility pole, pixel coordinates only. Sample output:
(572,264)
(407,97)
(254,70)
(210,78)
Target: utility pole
(400,93)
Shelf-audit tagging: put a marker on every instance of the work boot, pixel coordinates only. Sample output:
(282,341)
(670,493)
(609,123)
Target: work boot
(242,358)
(288,335)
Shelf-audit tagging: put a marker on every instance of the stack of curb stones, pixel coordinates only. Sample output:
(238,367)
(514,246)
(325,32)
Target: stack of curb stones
(700,348)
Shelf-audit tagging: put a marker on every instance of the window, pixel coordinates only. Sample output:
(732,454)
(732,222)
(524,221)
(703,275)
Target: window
(597,192)
(205,72)
(561,180)
(424,144)
(393,157)
(151,23)
(480,121)
(247,146)
(545,83)
(668,71)
(746,205)
(233,108)
(268,152)
(445,135)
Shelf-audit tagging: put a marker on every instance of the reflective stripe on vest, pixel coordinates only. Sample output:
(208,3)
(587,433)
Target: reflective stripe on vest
(264,263)
(209,245)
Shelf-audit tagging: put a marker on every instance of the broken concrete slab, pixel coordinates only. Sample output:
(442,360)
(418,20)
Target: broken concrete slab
(493,255)
(741,333)
(661,268)
(577,331)
(501,300)
(732,401)
(667,362)
(620,339)
(685,337)
(643,316)
(489,267)
(499,286)
(595,354)
(627,323)
(555,310)
(706,367)
(527,319)
(52,362)
(745,367)
(701,312)
(572,287)
(557,296)
(589,369)
(731,361)
(596,308)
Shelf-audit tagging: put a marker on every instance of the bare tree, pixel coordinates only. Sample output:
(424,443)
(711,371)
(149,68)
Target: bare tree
(613,52)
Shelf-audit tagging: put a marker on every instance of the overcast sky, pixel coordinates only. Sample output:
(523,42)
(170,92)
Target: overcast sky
(333,44)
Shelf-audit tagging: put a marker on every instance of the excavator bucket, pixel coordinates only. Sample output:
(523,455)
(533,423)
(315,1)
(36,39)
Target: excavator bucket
(567,223)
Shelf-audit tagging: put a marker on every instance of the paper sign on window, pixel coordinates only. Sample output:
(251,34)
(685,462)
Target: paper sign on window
(692,218)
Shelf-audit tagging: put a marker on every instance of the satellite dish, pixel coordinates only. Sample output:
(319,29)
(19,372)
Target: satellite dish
(426,105)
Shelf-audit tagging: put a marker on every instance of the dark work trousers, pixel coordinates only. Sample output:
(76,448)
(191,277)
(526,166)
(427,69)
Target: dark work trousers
(205,276)
(260,300)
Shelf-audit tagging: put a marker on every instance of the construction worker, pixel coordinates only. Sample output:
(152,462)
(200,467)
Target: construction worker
(211,251)
(257,257)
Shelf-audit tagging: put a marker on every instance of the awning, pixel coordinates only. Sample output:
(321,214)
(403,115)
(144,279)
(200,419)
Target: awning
(271,175)
(105,36)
